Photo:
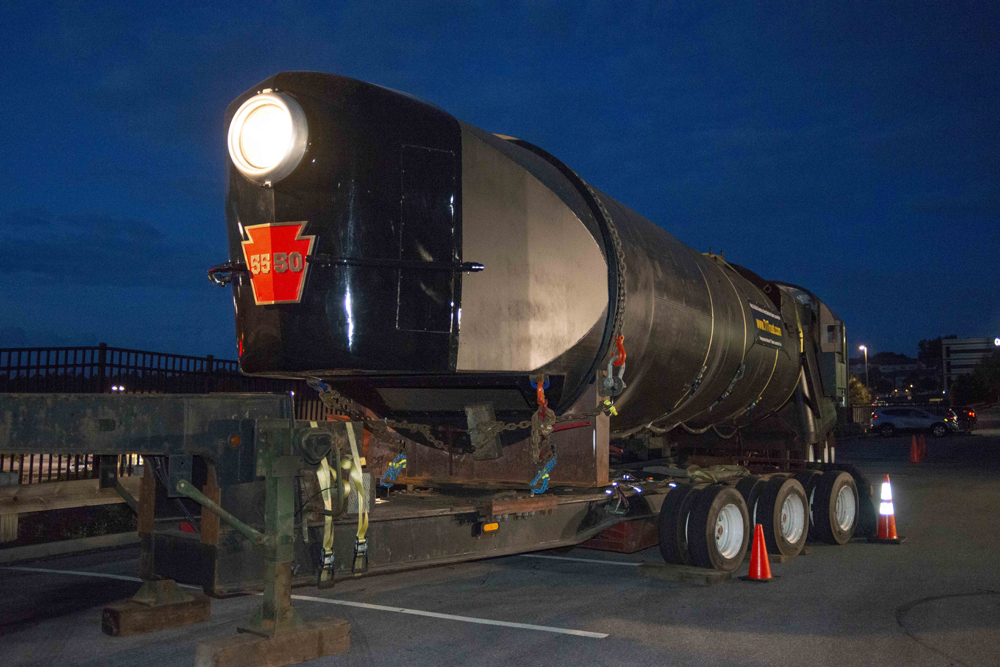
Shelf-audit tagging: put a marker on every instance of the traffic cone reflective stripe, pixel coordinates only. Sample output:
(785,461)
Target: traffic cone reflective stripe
(760,567)
(886,513)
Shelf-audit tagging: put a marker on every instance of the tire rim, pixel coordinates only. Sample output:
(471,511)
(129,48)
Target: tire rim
(729,531)
(793,518)
(845,507)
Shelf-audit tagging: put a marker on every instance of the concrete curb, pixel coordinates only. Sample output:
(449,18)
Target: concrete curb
(33,551)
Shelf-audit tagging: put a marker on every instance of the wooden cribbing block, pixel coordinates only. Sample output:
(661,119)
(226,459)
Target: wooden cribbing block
(314,640)
(683,573)
(133,618)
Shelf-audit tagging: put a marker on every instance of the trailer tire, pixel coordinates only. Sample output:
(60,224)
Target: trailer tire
(809,479)
(719,529)
(783,510)
(836,507)
(750,488)
(672,524)
(867,518)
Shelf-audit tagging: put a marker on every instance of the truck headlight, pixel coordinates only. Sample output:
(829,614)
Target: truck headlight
(267,137)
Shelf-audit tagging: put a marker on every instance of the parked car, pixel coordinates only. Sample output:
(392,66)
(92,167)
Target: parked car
(963,418)
(889,420)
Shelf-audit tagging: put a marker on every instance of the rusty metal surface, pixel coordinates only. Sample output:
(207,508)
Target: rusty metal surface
(513,506)
(626,537)
(582,457)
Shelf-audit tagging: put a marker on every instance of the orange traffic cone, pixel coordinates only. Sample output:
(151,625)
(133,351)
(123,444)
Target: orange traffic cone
(887,516)
(760,568)
(914,450)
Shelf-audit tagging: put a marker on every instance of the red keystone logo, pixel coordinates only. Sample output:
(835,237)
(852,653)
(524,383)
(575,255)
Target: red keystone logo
(276,256)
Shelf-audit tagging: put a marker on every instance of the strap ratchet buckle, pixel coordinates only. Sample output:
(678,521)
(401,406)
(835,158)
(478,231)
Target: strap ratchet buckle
(360,555)
(326,567)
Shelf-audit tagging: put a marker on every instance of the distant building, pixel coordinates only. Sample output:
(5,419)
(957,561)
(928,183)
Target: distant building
(902,371)
(960,355)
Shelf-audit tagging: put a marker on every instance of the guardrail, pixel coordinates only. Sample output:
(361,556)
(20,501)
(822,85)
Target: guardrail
(104,369)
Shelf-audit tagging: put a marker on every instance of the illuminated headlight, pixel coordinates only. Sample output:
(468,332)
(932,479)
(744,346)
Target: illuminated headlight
(267,137)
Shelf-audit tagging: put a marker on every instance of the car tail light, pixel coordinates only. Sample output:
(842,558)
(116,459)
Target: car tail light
(874,416)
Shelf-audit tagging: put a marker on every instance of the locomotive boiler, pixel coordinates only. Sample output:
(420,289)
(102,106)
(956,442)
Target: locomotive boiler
(422,266)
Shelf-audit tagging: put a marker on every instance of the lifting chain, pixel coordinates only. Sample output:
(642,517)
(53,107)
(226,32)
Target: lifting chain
(616,242)
(332,399)
(542,423)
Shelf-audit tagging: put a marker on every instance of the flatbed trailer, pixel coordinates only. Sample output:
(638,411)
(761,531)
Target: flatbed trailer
(227,502)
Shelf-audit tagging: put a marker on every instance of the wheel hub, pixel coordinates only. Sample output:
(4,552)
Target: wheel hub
(729,531)
(845,507)
(793,518)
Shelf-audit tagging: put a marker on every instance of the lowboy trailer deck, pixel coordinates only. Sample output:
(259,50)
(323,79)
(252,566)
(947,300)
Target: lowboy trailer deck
(235,449)
(228,502)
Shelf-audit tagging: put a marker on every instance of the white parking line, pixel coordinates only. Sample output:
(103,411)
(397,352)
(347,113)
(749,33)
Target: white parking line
(583,560)
(360,605)
(99,575)
(453,617)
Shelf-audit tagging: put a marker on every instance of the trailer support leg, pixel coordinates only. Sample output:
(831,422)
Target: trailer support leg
(276,614)
(275,634)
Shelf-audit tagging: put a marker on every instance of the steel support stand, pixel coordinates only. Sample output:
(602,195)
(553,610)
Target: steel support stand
(276,614)
(275,634)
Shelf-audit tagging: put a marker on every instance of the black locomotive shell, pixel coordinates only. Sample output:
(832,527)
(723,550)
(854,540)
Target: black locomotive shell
(401,193)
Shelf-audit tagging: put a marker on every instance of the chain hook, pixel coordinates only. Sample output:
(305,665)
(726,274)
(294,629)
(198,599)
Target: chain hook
(614,383)
(540,386)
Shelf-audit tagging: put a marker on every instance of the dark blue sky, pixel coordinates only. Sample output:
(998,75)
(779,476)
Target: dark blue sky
(853,149)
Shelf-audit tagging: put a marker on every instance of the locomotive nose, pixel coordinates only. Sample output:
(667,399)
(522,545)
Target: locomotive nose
(362,184)
(363,216)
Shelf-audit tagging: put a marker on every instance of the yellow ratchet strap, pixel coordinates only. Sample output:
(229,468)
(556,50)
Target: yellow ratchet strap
(360,544)
(326,476)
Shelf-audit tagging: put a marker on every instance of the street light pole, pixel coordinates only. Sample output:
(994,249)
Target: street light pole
(865,350)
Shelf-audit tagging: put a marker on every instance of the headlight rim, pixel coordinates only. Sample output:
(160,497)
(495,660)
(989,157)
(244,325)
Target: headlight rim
(297,144)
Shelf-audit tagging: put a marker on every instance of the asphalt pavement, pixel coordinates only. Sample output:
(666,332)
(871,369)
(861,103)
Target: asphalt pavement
(934,600)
